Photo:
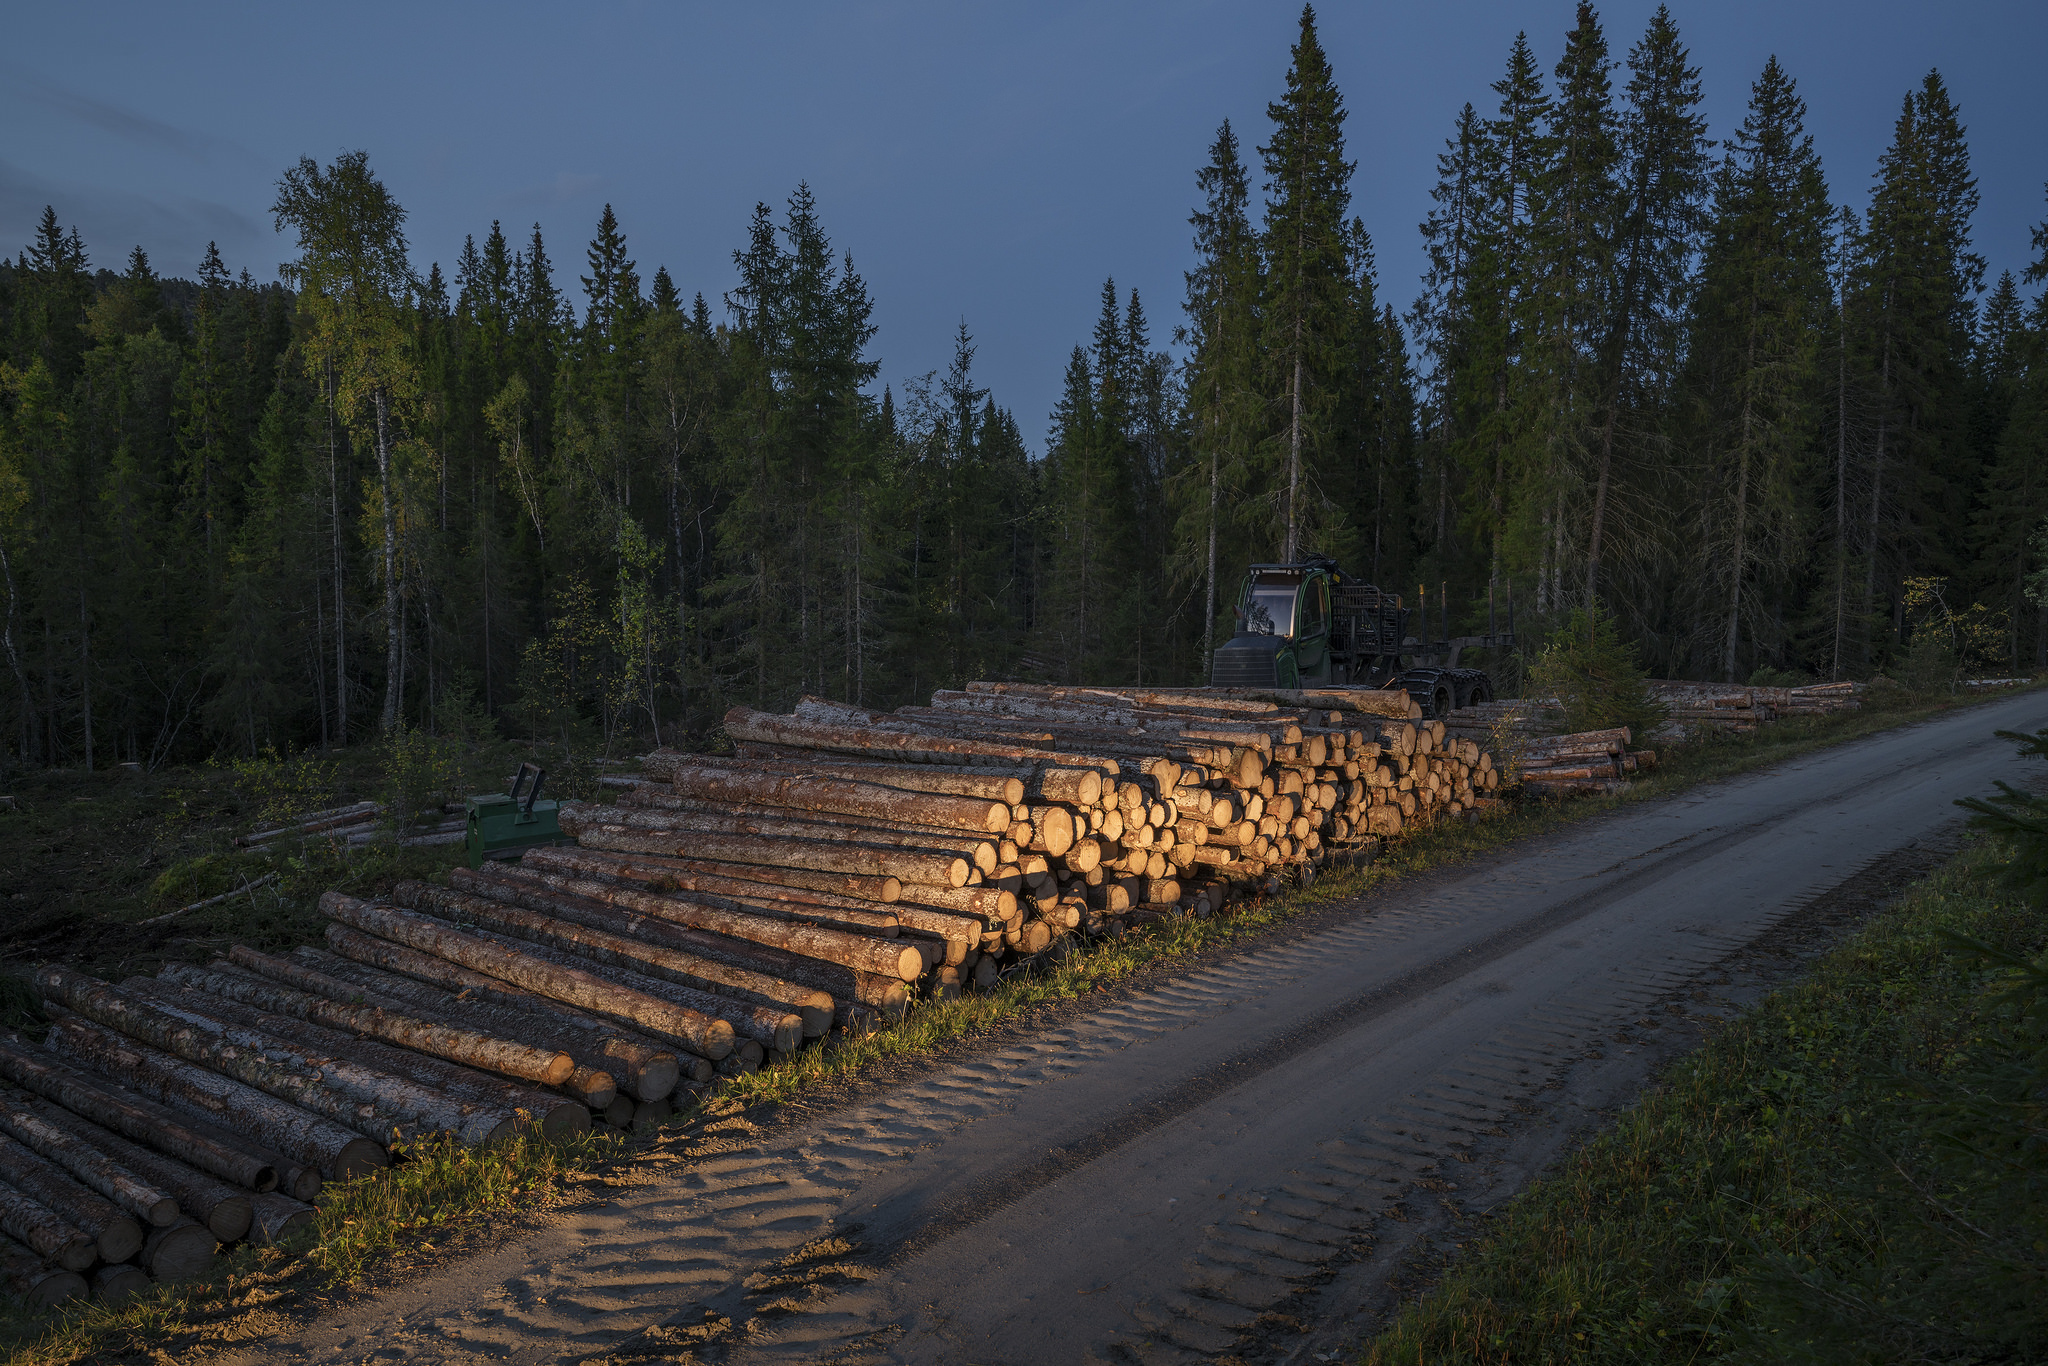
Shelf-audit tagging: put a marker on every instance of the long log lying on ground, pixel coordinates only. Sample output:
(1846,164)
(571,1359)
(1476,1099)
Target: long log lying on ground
(469,1047)
(44,1232)
(645,1067)
(235,1106)
(373,1103)
(680,875)
(649,968)
(651,807)
(772,1027)
(843,796)
(92,1168)
(145,1121)
(744,724)
(699,1033)
(224,1209)
(604,932)
(204,995)
(34,1281)
(997,785)
(591,1084)
(858,886)
(880,956)
(115,1286)
(905,865)
(115,1232)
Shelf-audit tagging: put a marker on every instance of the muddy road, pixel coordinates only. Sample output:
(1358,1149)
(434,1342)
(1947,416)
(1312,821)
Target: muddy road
(1186,1172)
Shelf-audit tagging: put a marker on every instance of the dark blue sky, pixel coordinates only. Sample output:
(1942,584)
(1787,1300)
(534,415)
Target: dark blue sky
(992,163)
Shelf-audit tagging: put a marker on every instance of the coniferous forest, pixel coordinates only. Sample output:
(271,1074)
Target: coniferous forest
(1769,416)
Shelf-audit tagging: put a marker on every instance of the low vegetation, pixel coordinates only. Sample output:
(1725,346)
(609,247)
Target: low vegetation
(1856,1170)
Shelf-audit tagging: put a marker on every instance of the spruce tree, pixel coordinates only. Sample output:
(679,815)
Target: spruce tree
(1762,309)
(1308,188)
(1222,377)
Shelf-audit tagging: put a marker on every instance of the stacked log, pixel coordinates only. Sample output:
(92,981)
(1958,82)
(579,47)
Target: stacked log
(104,1190)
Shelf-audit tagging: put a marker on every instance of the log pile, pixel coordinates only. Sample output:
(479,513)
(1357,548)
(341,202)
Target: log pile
(1695,708)
(720,913)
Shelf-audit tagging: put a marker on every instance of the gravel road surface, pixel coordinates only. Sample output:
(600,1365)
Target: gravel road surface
(1159,1179)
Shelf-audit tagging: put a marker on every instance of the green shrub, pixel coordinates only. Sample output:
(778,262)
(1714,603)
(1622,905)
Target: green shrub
(1595,677)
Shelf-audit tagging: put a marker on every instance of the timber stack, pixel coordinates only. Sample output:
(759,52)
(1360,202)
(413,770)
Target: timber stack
(721,913)
(1524,740)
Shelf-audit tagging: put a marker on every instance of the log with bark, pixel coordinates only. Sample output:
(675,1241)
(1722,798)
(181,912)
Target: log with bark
(645,1066)
(222,993)
(602,932)
(373,1103)
(327,1004)
(34,1281)
(115,1232)
(275,1217)
(871,860)
(137,1118)
(224,1209)
(91,1167)
(44,1232)
(179,1252)
(299,1135)
(880,956)
(693,1030)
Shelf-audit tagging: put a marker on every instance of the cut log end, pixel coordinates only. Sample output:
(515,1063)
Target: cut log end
(114,1285)
(359,1158)
(229,1219)
(565,1121)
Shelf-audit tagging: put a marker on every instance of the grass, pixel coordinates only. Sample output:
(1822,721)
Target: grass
(369,1227)
(1852,1171)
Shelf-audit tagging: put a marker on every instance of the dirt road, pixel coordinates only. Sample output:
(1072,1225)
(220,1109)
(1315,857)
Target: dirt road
(1157,1179)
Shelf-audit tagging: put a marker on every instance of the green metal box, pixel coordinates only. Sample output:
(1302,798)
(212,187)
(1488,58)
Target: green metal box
(504,826)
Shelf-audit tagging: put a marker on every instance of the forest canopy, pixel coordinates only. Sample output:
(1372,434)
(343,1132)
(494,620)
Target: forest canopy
(1760,417)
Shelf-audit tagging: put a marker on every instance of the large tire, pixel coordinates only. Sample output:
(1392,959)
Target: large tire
(1440,701)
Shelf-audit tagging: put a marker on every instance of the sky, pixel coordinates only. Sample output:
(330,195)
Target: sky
(986,163)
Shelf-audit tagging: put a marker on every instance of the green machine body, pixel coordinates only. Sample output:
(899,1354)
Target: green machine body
(504,826)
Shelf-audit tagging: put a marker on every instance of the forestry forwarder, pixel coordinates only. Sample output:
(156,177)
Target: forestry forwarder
(1311,624)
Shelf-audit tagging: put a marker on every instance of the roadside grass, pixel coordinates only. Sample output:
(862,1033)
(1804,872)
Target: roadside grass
(369,1228)
(1854,1170)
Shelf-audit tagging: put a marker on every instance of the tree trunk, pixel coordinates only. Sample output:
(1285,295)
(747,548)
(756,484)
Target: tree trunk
(222,1208)
(375,1104)
(996,785)
(140,1120)
(695,1031)
(521,1106)
(89,1165)
(843,797)
(239,1108)
(394,625)
(625,940)
(326,1003)
(767,881)
(115,1234)
(33,1281)
(39,1229)
(905,865)
(646,1068)
(880,956)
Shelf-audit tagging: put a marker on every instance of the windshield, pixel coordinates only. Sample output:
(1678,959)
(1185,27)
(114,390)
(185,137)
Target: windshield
(1271,609)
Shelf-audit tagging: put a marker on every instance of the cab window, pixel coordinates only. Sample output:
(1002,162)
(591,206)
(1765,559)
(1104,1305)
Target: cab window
(1315,608)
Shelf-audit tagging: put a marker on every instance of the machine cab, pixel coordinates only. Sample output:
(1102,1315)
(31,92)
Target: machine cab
(1282,638)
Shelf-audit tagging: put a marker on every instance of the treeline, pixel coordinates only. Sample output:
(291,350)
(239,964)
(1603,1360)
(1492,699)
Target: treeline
(1761,428)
